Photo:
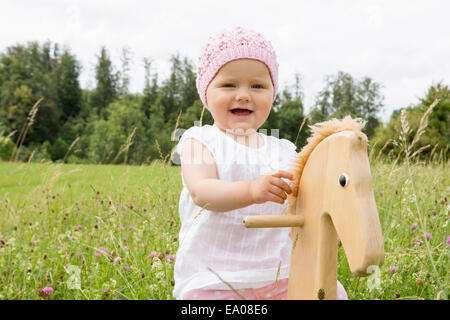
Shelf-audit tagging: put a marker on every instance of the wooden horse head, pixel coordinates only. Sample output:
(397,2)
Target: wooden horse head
(332,198)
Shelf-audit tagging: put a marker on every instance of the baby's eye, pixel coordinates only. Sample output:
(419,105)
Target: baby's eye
(228,85)
(259,86)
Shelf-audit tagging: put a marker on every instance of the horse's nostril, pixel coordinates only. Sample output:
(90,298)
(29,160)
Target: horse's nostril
(343,180)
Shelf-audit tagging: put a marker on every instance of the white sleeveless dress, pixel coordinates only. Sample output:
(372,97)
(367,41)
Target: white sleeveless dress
(217,242)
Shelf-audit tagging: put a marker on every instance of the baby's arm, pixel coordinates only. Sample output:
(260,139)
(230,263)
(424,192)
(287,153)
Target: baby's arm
(200,176)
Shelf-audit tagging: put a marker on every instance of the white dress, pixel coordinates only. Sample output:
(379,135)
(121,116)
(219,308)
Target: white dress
(217,243)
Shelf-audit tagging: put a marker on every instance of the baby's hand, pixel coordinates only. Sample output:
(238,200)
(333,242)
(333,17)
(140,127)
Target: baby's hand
(270,187)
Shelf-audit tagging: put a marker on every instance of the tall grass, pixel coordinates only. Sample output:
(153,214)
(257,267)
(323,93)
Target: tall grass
(111,231)
(106,220)
(119,225)
(23,133)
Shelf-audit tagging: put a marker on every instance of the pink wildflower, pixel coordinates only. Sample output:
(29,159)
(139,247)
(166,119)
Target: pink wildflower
(153,254)
(381,193)
(393,269)
(433,212)
(71,238)
(122,206)
(79,227)
(97,255)
(448,241)
(170,257)
(427,235)
(414,225)
(48,291)
(103,249)
(117,260)
(126,267)
(91,234)
(131,228)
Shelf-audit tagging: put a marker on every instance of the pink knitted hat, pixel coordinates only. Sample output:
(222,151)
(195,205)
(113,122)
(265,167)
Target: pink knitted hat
(232,45)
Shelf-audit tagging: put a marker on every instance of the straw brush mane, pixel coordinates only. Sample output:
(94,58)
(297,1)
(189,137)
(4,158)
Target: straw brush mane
(319,132)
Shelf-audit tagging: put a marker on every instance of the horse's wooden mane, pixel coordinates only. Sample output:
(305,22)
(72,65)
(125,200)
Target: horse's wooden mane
(319,132)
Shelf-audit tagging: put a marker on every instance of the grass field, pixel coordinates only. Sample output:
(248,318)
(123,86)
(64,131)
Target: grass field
(110,232)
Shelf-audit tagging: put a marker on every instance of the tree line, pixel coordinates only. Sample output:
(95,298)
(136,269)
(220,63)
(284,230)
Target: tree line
(46,115)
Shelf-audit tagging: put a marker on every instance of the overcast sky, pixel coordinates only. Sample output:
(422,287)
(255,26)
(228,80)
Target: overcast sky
(403,45)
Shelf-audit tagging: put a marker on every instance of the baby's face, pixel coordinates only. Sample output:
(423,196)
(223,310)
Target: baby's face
(240,96)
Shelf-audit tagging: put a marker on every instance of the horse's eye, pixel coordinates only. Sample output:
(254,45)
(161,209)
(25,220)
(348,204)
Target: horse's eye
(343,180)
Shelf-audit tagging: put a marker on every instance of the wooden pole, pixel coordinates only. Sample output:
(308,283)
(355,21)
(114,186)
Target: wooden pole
(275,221)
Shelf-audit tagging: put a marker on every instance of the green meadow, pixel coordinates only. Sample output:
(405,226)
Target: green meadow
(111,232)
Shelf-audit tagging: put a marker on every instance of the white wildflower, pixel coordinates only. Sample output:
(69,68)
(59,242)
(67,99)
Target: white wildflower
(74,279)
(374,280)
(159,275)
(157,265)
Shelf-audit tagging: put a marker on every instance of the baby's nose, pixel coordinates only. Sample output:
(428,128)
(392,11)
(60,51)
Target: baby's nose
(243,95)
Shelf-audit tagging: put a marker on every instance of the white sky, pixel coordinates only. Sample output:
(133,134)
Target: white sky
(404,45)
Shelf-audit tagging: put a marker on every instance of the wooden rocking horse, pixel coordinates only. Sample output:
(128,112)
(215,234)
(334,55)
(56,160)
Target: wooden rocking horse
(331,197)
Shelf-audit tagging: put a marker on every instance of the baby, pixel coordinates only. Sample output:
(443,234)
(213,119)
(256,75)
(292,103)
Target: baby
(229,171)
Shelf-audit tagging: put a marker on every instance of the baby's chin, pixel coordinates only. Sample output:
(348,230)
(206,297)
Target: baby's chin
(239,131)
(242,131)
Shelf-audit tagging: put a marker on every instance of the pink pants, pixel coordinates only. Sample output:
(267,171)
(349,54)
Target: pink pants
(264,293)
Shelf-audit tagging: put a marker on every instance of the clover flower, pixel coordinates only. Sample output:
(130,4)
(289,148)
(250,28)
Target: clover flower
(48,291)
(170,257)
(393,269)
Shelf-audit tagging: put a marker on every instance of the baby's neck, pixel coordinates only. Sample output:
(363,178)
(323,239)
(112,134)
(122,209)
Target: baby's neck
(249,138)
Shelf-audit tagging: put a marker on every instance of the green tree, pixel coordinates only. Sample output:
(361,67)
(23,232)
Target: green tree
(105,142)
(160,132)
(150,91)
(68,91)
(125,58)
(290,116)
(58,149)
(107,79)
(123,136)
(170,91)
(193,114)
(29,67)
(435,138)
(179,91)
(188,90)
(439,119)
(343,95)
(6,147)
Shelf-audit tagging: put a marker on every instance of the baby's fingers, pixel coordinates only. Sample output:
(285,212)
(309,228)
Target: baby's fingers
(283,186)
(283,174)
(277,195)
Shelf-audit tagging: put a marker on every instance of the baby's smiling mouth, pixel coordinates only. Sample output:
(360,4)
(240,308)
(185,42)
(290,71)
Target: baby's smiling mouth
(241,111)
